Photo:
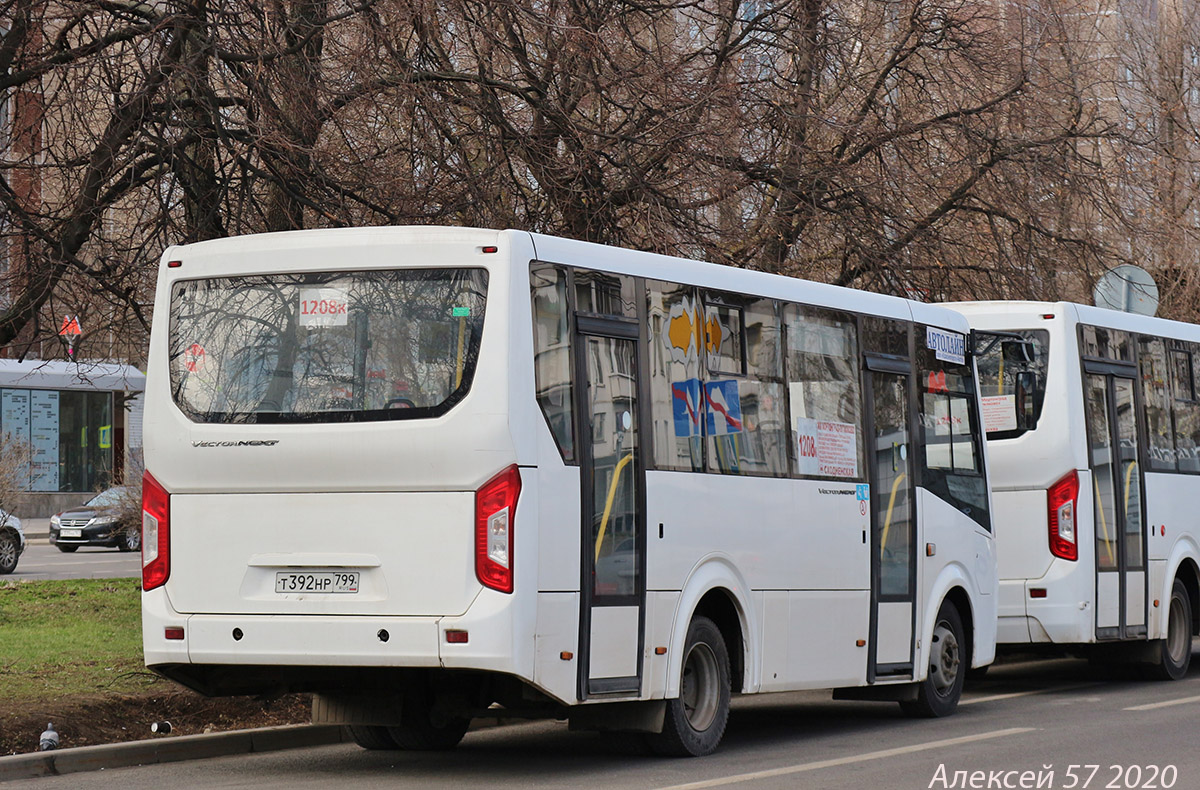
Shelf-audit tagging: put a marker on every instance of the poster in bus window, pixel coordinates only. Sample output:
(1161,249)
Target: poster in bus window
(685,407)
(826,448)
(999,412)
(723,407)
(324,307)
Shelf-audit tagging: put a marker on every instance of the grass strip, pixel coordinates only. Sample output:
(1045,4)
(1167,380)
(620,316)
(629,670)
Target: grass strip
(71,637)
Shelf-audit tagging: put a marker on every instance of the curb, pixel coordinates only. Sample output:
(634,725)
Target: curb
(167,750)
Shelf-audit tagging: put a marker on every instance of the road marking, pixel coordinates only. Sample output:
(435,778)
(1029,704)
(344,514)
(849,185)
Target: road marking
(1167,704)
(859,758)
(998,697)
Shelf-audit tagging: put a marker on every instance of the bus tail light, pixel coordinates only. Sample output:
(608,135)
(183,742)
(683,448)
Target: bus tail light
(495,504)
(1063,499)
(156,533)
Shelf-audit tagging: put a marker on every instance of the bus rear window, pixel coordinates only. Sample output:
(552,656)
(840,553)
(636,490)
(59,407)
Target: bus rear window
(1012,380)
(325,347)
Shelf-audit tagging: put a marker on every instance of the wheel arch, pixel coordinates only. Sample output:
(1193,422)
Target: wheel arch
(8,529)
(716,590)
(1188,573)
(953,585)
(1182,565)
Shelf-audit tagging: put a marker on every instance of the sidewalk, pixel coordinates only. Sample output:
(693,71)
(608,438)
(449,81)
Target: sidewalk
(167,749)
(37,530)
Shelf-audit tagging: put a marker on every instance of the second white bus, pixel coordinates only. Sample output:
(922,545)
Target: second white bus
(1093,424)
(426,472)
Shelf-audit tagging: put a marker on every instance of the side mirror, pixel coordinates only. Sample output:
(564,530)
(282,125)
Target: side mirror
(1020,351)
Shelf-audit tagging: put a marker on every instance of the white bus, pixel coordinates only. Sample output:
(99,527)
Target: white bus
(1093,425)
(428,472)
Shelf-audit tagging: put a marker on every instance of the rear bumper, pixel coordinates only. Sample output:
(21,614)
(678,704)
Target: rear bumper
(1065,616)
(333,646)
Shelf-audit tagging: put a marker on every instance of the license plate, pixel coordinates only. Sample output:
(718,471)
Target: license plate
(316,582)
(70,533)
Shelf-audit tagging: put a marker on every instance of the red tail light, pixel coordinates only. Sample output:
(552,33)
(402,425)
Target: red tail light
(156,533)
(1063,501)
(495,504)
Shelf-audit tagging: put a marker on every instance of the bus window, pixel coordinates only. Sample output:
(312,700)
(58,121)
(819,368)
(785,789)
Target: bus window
(1187,408)
(604,294)
(745,419)
(953,468)
(1012,380)
(1103,343)
(325,347)
(676,404)
(884,336)
(824,392)
(552,353)
(1156,399)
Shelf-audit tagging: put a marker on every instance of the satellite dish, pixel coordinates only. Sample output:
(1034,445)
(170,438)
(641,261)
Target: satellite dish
(1128,288)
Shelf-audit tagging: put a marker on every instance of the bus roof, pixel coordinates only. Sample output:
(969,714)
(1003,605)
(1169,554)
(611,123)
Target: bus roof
(1085,314)
(553,249)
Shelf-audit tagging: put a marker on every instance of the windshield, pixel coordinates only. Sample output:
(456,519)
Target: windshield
(1012,380)
(107,498)
(325,347)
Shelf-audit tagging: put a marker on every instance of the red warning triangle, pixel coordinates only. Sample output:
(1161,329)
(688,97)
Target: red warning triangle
(70,326)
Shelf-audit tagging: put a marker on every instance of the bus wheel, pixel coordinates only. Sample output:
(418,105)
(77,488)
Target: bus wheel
(1175,652)
(695,720)
(421,729)
(372,737)
(938,693)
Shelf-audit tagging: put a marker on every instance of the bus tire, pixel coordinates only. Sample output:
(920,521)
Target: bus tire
(695,720)
(420,730)
(1174,654)
(939,692)
(373,737)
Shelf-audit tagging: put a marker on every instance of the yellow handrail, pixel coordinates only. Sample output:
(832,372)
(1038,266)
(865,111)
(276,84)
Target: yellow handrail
(612,492)
(458,367)
(1103,521)
(887,520)
(1128,479)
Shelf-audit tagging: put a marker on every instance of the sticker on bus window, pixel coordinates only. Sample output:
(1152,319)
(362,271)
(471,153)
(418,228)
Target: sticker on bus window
(681,332)
(946,346)
(826,448)
(723,407)
(999,412)
(460,312)
(685,407)
(324,307)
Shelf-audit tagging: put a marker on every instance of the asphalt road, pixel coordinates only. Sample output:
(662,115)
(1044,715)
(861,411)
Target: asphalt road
(43,561)
(1043,716)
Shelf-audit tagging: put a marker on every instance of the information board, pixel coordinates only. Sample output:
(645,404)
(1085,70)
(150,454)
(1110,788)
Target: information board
(43,439)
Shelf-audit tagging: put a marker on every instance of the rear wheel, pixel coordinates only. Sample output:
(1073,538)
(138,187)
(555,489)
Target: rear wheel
(9,551)
(423,728)
(66,549)
(938,693)
(695,721)
(1175,652)
(372,737)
